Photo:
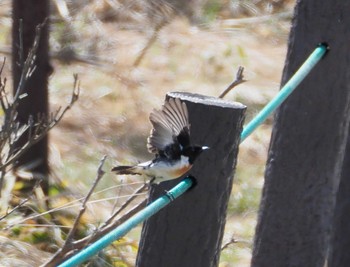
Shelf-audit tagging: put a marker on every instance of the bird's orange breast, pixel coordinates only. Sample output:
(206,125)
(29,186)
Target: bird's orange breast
(181,171)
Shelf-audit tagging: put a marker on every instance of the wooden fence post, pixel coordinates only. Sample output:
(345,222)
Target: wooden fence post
(308,143)
(339,255)
(189,231)
(32,13)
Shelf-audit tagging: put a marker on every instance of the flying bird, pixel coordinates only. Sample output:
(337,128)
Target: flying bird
(170,141)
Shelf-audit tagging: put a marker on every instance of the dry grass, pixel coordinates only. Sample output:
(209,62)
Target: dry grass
(111,116)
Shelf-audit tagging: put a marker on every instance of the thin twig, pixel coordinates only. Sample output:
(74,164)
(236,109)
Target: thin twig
(14,209)
(101,232)
(28,65)
(20,37)
(231,241)
(125,204)
(2,66)
(43,127)
(72,232)
(19,205)
(11,130)
(239,79)
(67,246)
(61,255)
(62,207)
(149,43)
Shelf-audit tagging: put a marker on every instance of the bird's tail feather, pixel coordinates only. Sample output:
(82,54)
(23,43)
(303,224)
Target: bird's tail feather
(126,170)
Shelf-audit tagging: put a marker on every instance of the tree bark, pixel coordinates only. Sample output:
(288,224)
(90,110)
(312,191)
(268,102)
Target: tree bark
(308,143)
(32,13)
(189,231)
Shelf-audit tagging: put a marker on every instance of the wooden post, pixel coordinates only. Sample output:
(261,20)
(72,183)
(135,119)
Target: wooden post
(189,231)
(339,255)
(308,143)
(32,13)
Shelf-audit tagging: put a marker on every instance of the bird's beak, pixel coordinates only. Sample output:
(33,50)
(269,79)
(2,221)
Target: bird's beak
(205,147)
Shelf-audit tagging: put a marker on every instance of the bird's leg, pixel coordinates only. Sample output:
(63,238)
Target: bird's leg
(149,183)
(152,180)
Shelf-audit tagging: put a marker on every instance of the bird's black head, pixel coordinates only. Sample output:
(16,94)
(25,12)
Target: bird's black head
(192,152)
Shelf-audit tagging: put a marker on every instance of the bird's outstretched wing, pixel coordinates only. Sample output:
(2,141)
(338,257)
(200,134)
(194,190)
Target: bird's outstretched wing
(171,128)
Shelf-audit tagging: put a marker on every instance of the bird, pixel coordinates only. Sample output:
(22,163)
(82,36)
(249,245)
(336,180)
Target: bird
(169,140)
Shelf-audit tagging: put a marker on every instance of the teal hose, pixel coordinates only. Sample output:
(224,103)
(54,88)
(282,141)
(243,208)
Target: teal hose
(122,229)
(286,90)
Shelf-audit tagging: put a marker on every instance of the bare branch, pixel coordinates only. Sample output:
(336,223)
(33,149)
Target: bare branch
(28,65)
(125,204)
(14,209)
(149,43)
(61,255)
(38,130)
(20,50)
(231,241)
(67,246)
(239,79)
(114,224)
(99,176)
(2,66)
(79,244)
(11,130)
